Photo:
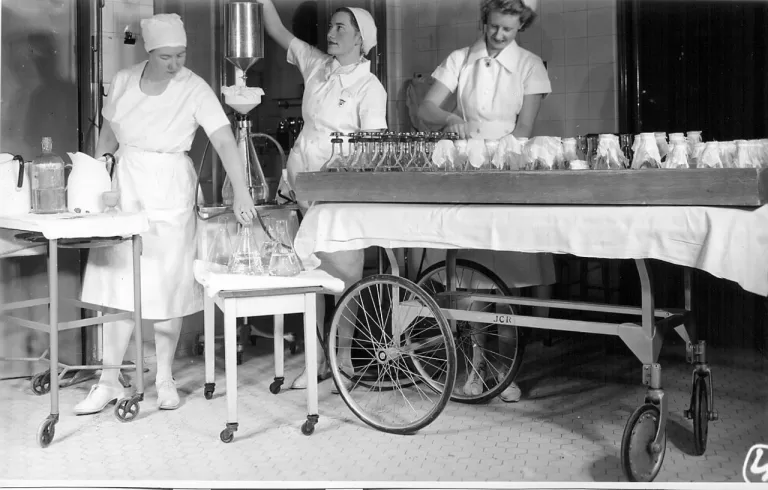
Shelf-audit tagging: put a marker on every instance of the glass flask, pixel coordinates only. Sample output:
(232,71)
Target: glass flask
(491,147)
(246,258)
(49,190)
(404,150)
(389,161)
(269,243)
(337,161)
(377,149)
(284,262)
(360,159)
(220,250)
(462,158)
(693,138)
(419,161)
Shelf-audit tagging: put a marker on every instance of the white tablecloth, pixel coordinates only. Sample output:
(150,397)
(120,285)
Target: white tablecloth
(215,279)
(728,243)
(69,225)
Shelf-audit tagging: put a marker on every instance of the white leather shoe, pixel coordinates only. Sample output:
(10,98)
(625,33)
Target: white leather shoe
(347,384)
(167,396)
(98,398)
(511,394)
(474,385)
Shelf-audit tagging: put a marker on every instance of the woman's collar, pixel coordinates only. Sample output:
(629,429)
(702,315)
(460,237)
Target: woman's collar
(508,57)
(348,73)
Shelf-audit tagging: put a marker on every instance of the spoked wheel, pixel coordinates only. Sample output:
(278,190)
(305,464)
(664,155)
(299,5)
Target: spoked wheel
(488,354)
(700,414)
(640,460)
(382,328)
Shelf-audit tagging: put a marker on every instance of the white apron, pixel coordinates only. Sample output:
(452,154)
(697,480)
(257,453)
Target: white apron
(163,185)
(494,110)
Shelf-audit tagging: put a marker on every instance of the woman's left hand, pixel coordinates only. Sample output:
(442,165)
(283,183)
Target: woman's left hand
(243,208)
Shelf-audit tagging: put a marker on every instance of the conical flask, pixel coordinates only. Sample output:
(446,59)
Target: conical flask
(220,250)
(246,258)
(284,261)
(270,241)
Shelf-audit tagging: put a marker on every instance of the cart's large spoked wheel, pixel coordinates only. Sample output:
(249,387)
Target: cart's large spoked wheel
(640,460)
(700,414)
(488,354)
(382,327)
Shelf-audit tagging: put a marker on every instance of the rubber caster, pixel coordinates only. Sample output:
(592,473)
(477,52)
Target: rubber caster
(208,390)
(640,461)
(227,436)
(700,414)
(127,410)
(46,432)
(275,386)
(41,383)
(307,428)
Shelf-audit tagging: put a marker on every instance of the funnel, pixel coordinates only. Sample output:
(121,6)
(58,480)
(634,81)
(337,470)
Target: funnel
(245,39)
(242,99)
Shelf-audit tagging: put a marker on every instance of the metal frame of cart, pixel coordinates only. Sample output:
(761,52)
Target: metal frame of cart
(644,441)
(127,409)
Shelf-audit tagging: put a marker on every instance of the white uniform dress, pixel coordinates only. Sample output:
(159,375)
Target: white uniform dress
(336,98)
(490,95)
(155,175)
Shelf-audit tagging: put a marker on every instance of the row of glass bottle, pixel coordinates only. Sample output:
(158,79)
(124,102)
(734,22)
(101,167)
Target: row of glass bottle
(384,152)
(253,255)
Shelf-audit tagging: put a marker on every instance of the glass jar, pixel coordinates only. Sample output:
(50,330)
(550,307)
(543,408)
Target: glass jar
(48,184)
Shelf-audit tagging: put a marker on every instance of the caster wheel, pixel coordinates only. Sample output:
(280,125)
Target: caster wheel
(41,383)
(254,339)
(700,414)
(45,432)
(208,390)
(307,428)
(127,410)
(638,459)
(274,387)
(293,348)
(227,436)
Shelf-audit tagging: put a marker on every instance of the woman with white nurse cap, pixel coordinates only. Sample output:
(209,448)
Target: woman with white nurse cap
(151,115)
(499,88)
(340,95)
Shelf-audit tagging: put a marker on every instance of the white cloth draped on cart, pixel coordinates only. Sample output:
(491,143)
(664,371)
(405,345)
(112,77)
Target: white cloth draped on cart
(726,242)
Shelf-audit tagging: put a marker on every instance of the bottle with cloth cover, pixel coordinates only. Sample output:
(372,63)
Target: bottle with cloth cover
(48,181)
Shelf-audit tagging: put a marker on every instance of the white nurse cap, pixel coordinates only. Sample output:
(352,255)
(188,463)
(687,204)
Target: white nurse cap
(163,31)
(367,28)
(531,4)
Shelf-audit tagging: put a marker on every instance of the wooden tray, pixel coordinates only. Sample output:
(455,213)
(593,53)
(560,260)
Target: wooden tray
(689,187)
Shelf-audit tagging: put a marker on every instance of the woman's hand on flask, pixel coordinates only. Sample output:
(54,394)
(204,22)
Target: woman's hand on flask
(456,124)
(243,207)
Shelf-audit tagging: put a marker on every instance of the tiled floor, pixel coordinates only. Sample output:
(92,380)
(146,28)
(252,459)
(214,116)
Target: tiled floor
(577,399)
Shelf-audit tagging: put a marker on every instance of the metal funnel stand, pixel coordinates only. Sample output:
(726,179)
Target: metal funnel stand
(245,47)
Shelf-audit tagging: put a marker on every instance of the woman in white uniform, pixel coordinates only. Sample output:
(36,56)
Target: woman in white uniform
(499,88)
(340,95)
(150,118)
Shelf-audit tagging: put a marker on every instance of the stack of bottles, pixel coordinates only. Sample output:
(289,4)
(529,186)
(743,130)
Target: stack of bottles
(445,152)
(256,251)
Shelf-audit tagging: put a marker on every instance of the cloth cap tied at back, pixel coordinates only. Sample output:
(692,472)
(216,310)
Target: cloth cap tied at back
(367,28)
(163,31)
(531,4)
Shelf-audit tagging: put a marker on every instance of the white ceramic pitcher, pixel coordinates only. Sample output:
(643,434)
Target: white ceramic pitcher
(87,183)
(15,196)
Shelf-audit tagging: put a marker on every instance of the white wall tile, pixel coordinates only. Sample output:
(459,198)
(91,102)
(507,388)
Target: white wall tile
(426,40)
(533,33)
(602,105)
(552,25)
(553,51)
(602,49)
(548,128)
(603,126)
(427,12)
(108,17)
(601,22)
(557,78)
(602,77)
(577,105)
(576,51)
(552,107)
(577,78)
(571,5)
(551,6)
(446,37)
(575,24)
(597,4)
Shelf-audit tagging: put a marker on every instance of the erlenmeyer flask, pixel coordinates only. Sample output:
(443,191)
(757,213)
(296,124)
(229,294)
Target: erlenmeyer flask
(269,243)
(220,250)
(246,258)
(284,261)
(337,161)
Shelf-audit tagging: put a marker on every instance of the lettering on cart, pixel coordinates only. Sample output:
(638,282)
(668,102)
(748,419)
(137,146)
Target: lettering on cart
(505,320)
(756,465)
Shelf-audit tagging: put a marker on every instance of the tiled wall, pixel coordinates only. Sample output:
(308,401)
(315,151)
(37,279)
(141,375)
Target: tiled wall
(576,38)
(116,16)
